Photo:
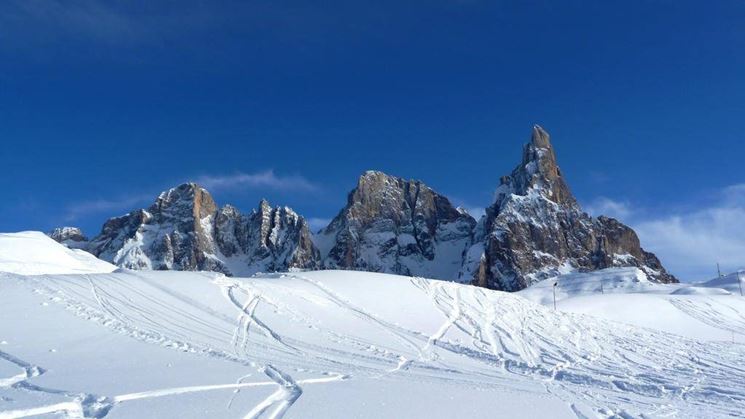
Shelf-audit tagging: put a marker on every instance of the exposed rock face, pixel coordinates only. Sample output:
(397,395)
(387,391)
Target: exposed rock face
(184,230)
(535,229)
(397,226)
(174,233)
(267,240)
(71,237)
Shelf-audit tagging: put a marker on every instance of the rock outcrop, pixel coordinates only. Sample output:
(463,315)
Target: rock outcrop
(71,237)
(396,226)
(533,230)
(184,230)
(267,240)
(536,229)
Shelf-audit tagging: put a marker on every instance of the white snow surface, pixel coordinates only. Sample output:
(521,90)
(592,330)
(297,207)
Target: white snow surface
(704,311)
(34,253)
(341,344)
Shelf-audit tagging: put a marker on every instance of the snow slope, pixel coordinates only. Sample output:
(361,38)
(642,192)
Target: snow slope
(336,344)
(34,253)
(698,311)
(734,282)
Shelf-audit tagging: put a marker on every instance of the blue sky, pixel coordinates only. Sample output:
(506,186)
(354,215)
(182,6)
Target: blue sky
(102,105)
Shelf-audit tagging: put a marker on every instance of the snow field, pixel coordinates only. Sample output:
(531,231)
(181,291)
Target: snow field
(187,343)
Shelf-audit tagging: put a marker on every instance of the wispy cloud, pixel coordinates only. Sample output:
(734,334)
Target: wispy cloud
(36,23)
(316,223)
(475,212)
(35,20)
(78,210)
(266,179)
(693,243)
(609,207)
(138,23)
(690,243)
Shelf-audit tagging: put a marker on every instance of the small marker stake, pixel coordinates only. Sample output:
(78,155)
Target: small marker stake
(555,284)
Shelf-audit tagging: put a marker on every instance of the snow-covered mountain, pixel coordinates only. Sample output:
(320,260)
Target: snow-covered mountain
(397,226)
(535,229)
(71,237)
(269,239)
(185,230)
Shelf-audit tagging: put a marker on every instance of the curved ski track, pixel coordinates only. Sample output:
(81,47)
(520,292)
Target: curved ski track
(486,340)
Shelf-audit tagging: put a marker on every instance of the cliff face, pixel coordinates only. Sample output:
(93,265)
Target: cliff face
(533,230)
(397,226)
(71,237)
(184,230)
(536,229)
(267,240)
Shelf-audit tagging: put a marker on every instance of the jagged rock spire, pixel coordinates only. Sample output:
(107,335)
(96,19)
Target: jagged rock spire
(536,229)
(538,172)
(184,230)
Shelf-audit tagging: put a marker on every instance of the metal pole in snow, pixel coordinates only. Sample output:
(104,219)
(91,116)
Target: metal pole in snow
(555,284)
(739,281)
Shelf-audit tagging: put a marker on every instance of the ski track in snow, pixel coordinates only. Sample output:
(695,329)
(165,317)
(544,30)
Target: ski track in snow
(486,340)
(714,314)
(90,406)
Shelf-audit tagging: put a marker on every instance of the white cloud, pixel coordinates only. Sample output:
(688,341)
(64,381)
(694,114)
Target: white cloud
(42,22)
(608,207)
(690,244)
(260,180)
(266,179)
(476,212)
(78,210)
(316,223)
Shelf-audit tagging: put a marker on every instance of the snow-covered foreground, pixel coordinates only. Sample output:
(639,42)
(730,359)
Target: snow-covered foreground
(710,311)
(342,344)
(34,253)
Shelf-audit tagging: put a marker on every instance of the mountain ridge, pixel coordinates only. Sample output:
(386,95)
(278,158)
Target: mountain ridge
(534,229)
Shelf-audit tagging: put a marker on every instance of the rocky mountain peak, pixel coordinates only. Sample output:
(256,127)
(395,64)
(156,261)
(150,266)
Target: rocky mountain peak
(279,239)
(264,206)
(184,230)
(540,138)
(184,199)
(538,172)
(536,229)
(377,195)
(71,237)
(533,230)
(395,225)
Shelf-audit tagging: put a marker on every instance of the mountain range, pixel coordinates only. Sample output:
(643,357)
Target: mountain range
(533,230)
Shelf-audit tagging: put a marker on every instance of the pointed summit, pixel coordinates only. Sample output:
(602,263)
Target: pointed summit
(264,206)
(536,229)
(538,172)
(187,197)
(398,226)
(540,137)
